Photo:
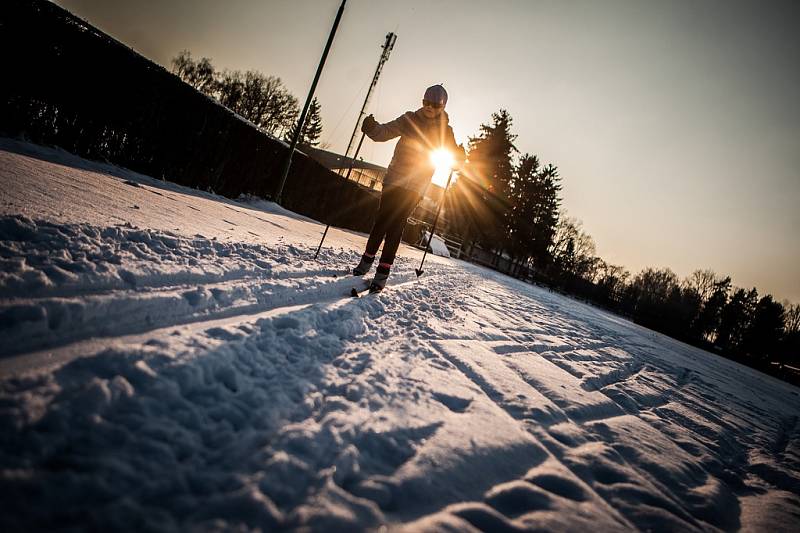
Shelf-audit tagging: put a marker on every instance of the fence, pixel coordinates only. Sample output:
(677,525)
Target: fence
(66,83)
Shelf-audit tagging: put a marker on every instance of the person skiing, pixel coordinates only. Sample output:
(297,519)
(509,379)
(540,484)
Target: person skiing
(408,176)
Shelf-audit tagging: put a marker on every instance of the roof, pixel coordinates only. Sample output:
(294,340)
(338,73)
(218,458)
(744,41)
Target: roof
(334,161)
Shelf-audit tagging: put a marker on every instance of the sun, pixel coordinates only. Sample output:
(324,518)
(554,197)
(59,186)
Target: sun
(443,161)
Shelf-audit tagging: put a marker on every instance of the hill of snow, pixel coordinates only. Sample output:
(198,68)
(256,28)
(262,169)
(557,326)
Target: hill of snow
(172,360)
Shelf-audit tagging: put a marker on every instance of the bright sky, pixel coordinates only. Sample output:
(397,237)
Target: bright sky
(675,124)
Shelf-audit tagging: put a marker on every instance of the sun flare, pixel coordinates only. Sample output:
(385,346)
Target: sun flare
(443,161)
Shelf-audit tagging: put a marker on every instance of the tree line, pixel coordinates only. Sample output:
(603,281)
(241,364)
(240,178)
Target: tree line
(261,99)
(508,205)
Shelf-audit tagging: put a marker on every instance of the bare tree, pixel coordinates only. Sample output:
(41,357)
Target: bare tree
(611,280)
(263,100)
(703,282)
(791,317)
(574,249)
(199,74)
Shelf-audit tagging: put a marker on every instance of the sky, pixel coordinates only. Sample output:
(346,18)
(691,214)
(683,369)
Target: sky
(675,125)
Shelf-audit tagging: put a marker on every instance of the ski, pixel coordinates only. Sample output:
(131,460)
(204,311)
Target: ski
(364,292)
(359,289)
(366,288)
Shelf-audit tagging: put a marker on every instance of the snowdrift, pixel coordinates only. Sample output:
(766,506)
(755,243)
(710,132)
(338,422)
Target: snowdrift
(437,245)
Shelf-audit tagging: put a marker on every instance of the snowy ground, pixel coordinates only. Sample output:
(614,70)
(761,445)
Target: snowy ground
(173,360)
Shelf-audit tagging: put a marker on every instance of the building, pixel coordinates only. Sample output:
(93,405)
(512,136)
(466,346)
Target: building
(363,173)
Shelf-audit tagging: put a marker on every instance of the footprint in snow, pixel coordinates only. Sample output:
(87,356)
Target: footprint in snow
(559,485)
(195,296)
(223,334)
(454,403)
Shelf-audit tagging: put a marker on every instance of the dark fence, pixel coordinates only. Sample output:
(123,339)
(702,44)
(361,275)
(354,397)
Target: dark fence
(66,83)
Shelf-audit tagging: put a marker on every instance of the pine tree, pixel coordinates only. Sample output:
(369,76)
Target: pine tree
(533,213)
(491,170)
(765,330)
(708,319)
(735,319)
(312,129)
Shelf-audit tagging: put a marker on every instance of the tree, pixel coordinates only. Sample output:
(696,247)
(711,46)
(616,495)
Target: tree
(263,100)
(735,319)
(792,317)
(533,211)
(681,307)
(312,129)
(573,250)
(649,293)
(706,284)
(491,167)
(703,282)
(789,348)
(765,329)
(199,74)
(707,321)
(229,90)
(610,282)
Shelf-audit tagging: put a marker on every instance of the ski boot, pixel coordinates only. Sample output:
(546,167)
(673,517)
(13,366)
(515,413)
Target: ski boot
(379,281)
(364,266)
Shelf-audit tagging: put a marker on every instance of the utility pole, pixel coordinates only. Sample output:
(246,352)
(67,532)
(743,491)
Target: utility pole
(288,163)
(386,50)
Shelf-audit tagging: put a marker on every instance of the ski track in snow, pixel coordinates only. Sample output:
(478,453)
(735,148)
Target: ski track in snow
(183,375)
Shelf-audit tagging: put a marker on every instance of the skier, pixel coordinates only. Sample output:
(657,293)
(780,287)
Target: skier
(409,174)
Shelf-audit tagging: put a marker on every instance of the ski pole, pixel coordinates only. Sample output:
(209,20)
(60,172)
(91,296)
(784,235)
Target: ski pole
(347,177)
(419,270)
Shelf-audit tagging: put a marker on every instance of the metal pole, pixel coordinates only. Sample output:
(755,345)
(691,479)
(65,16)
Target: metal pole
(349,170)
(419,270)
(322,240)
(288,162)
(387,48)
(353,161)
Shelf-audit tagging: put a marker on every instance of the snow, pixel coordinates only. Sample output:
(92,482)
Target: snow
(437,245)
(173,360)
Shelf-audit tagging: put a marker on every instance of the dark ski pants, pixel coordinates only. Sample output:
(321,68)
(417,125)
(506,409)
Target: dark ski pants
(396,205)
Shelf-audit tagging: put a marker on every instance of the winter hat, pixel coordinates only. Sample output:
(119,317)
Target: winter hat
(436,94)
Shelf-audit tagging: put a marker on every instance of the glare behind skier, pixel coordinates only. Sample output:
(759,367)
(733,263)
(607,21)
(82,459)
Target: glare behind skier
(408,176)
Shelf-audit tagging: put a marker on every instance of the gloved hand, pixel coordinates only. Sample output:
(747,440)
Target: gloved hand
(368,124)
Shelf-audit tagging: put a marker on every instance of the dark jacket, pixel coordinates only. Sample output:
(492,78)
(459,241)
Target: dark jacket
(411,166)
